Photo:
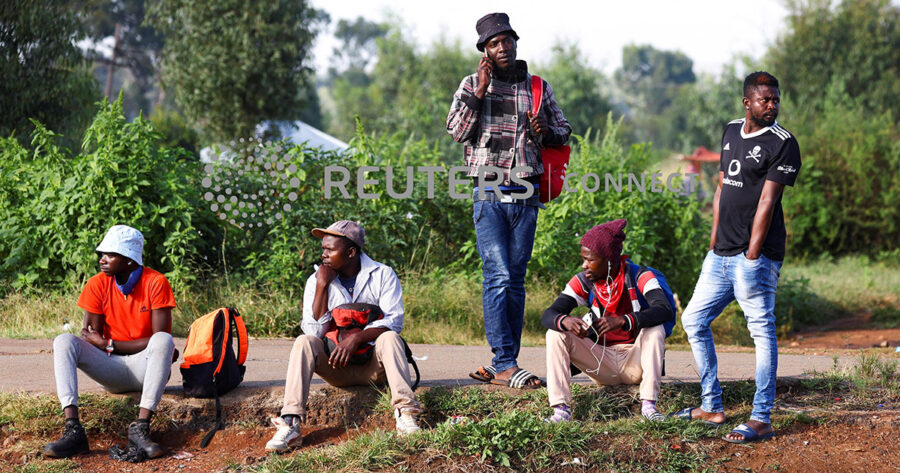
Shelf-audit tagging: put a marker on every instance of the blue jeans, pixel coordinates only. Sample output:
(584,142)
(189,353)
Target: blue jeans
(753,284)
(505,237)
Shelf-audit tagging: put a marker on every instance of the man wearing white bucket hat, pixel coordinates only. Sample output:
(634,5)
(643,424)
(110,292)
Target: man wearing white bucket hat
(125,344)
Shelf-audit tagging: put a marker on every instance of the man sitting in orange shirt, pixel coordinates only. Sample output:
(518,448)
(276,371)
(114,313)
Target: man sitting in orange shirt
(125,344)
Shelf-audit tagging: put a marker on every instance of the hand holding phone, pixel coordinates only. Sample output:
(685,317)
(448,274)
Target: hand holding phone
(485,70)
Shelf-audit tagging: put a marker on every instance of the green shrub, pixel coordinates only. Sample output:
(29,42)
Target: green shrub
(846,195)
(665,230)
(55,207)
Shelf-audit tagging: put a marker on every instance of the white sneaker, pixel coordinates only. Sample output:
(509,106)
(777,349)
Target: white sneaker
(286,436)
(406,421)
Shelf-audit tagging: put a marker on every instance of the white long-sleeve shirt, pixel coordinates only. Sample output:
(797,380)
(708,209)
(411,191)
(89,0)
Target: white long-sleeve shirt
(376,284)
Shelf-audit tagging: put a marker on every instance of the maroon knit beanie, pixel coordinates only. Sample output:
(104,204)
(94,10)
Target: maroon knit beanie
(606,239)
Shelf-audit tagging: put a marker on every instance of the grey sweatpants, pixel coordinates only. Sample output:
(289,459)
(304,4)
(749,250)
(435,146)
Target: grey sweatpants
(146,371)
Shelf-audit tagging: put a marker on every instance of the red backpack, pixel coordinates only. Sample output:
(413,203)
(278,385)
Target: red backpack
(555,159)
(350,318)
(353,317)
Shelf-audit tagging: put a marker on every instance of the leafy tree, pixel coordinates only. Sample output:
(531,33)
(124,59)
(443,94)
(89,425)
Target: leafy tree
(136,49)
(650,80)
(701,110)
(652,77)
(55,205)
(357,50)
(846,196)
(408,90)
(856,42)
(234,64)
(577,88)
(43,76)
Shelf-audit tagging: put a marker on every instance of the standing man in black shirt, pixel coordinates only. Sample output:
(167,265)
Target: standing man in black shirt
(759,158)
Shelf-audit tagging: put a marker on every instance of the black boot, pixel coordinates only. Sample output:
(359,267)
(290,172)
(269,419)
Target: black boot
(139,435)
(72,442)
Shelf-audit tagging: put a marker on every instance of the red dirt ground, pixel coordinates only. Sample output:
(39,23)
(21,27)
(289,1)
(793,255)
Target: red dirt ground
(857,441)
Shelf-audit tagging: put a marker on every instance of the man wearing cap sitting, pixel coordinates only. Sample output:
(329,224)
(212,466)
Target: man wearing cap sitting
(626,342)
(491,115)
(125,344)
(347,275)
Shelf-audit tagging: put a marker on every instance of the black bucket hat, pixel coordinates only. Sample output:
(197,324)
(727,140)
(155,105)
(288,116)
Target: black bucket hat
(491,25)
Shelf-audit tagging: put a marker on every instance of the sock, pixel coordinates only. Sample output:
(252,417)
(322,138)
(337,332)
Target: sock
(648,407)
(291,419)
(561,412)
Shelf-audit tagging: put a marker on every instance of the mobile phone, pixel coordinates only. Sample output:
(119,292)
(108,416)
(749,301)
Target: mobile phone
(491,61)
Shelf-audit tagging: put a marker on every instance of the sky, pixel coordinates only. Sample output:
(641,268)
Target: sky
(711,32)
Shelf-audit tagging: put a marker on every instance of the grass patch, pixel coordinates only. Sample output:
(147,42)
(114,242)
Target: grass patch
(444,307)
(41,414)
(32,316)
(365,452)
(505,431)
(875,287)
(48,466)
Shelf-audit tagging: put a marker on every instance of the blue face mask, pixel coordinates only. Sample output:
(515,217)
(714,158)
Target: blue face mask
(133,279)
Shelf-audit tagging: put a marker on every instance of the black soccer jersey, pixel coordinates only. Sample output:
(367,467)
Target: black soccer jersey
(748,161)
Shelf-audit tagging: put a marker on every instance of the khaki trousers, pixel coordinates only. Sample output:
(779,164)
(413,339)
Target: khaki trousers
(640,362)
(387,365)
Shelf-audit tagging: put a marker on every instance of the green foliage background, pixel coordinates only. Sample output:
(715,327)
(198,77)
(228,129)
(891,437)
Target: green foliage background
(234,63)
(43,75)
(56,205)
(229,68)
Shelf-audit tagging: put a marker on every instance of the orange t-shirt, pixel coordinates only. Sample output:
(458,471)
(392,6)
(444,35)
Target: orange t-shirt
(127,317)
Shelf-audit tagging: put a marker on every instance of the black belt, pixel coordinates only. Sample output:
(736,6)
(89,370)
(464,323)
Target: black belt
(491,196)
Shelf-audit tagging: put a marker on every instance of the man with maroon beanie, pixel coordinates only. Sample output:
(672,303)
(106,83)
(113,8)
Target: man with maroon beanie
(625,343)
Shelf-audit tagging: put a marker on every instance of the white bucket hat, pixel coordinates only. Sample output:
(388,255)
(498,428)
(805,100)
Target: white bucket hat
(125,241)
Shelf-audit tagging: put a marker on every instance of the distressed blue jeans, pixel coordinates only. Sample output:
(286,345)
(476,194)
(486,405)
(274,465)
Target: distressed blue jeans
(753,283)
(505,237)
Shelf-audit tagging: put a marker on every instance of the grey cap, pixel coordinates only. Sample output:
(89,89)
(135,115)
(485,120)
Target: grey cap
(344,228)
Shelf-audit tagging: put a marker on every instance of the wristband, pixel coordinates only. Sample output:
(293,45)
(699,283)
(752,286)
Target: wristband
(109,347)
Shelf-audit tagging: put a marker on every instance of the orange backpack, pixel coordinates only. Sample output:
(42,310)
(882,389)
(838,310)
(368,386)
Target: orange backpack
(210,366)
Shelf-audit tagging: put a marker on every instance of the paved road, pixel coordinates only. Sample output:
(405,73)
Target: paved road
(27,365)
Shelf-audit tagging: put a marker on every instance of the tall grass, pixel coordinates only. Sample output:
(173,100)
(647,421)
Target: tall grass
(855,284)
(444,306)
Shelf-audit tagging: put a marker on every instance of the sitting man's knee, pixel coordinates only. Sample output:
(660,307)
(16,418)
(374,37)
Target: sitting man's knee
(307,341)
(555,336)
(389,337)
(656,332)
(161,340)
(64,342)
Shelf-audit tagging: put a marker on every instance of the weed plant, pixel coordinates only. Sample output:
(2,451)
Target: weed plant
(48,466)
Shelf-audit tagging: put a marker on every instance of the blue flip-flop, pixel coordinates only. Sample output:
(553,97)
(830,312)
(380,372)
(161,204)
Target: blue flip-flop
(749,434)
(686,415)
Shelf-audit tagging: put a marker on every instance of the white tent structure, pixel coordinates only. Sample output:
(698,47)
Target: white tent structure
(296,132)
(301,132)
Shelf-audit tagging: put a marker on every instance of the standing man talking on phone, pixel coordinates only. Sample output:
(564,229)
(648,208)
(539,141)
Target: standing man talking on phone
(491,115)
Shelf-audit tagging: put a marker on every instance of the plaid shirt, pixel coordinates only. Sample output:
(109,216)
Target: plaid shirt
(496,130)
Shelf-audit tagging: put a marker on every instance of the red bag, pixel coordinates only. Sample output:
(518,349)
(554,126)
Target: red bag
(349,318)
(555,159)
